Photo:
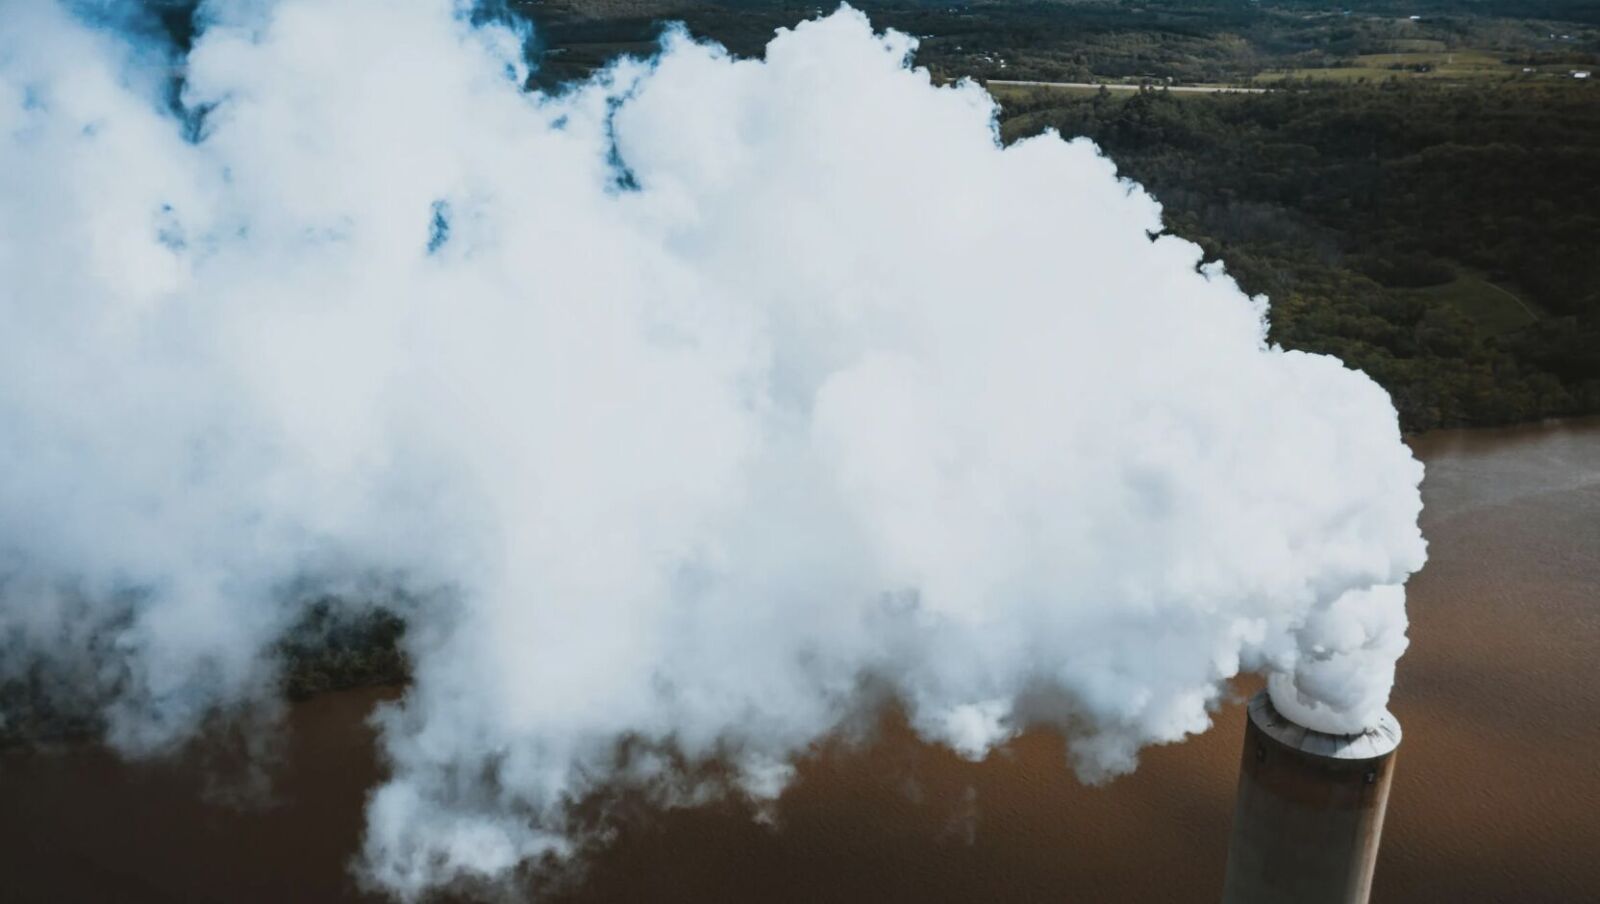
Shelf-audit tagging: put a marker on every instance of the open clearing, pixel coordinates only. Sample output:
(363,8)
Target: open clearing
(1493,308)
(1456,65)
(1116,86)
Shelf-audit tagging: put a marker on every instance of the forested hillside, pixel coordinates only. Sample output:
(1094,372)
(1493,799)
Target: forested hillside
(1442,239)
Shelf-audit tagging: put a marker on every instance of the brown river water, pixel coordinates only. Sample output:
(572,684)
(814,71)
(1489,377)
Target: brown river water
(1496,796)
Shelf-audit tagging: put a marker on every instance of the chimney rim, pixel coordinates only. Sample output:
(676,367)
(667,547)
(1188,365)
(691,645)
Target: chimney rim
(1379,740)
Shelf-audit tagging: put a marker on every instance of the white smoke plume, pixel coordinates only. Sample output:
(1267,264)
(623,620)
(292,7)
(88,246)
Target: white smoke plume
(680,404)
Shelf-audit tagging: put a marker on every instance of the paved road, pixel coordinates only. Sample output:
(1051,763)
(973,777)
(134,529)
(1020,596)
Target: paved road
(1094,86)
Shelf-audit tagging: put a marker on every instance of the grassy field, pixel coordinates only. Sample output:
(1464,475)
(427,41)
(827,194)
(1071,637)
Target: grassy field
(1417,45)
(1005,93)
(1492,308)
(1458,65)
(1009,93)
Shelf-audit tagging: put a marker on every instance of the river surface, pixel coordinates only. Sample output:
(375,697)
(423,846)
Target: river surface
(1496,795)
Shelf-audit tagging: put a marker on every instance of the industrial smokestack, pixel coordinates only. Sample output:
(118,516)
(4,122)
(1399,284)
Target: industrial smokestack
(1309,812)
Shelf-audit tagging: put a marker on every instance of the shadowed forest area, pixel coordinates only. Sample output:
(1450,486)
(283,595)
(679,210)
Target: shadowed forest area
(1439,238)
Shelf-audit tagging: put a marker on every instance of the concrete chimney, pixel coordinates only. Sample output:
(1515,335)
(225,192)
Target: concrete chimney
(1309,811)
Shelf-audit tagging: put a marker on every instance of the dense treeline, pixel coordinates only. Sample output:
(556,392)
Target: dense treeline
(1442,239)
(335,646)
(1180,40)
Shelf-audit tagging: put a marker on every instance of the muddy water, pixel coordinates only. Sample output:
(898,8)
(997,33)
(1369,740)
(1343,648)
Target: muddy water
(1497,796)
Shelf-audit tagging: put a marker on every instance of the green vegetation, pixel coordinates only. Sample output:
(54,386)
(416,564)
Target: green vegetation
(1494,309)
(333,647)
(1439,238)
(1453,65)
(1184,41)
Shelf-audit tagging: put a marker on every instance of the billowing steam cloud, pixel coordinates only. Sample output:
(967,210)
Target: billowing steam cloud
(680,405)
